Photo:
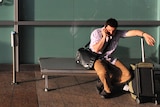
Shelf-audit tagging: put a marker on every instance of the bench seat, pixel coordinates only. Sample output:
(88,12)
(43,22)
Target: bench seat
(51,66)
(62,66)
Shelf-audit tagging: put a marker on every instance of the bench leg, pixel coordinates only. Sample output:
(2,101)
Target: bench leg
(46,83)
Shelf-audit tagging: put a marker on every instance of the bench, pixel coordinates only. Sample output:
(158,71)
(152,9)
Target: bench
(67,66)
(61,66)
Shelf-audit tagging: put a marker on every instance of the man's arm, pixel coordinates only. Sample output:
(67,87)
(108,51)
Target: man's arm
(98,46)
(148,38)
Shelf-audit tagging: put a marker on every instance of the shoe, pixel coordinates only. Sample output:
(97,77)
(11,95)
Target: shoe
(126,87)
(99,86)
(99,89)
(105,95)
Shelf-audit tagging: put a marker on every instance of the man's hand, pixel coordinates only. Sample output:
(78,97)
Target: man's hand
(104,32)
(149,39)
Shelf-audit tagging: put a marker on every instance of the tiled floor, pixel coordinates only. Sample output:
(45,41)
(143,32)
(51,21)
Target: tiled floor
(65,91)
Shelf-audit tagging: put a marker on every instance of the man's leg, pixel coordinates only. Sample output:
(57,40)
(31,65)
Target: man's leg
(125,76)
(99,86)
(103,75)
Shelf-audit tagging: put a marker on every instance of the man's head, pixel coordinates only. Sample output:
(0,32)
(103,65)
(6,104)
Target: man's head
(112,22)
(111,26)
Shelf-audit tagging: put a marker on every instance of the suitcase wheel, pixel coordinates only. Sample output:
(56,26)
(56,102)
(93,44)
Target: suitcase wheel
(138,100)
(156,102)
(77,62)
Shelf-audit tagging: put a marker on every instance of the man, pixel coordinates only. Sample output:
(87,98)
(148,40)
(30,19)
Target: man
(109,34)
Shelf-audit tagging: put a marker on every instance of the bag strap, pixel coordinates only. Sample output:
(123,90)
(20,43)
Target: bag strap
(106,45)
(87,44)
(104,48)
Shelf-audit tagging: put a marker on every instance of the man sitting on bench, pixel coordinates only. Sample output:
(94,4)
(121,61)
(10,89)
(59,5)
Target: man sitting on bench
(109,33)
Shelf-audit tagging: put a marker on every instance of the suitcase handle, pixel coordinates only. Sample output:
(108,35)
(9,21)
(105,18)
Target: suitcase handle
(142,49)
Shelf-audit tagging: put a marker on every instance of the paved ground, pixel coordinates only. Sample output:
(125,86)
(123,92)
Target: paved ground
(65,91)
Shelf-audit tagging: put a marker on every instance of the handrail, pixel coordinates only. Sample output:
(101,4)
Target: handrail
(78,23)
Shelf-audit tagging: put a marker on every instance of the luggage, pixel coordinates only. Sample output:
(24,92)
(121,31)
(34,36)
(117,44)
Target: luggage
(142,86)
(86,58)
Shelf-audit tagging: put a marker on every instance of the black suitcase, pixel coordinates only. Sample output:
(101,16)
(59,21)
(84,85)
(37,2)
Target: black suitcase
(142,86)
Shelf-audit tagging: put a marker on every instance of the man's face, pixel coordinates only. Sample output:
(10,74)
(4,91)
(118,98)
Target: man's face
(110,30)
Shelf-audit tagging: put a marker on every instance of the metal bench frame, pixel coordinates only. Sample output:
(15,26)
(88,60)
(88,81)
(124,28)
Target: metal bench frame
(61,66)
(67,66)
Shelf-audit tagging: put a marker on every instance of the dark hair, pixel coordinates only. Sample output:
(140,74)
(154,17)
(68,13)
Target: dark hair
(112,22)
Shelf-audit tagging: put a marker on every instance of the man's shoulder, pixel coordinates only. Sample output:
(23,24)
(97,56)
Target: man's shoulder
(97,30)
(121,32)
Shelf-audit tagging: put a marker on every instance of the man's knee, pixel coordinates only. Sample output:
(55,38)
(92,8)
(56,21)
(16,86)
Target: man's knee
(99,68)
(127,74)
(101,73)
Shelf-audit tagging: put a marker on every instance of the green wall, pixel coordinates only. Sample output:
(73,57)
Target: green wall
(88,9)
(5,46)
(62,41)
(6,14)
(6,10)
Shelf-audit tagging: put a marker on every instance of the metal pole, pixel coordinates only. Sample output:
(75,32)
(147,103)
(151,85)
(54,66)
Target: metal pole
(17,38)
(142,47)
(13,44)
